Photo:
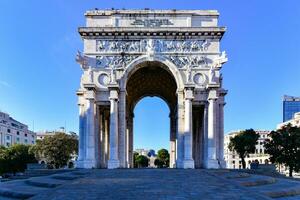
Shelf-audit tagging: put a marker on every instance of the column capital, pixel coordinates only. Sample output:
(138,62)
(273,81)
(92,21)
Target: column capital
(212,95)
(113,94)
(189,93)
(90,95)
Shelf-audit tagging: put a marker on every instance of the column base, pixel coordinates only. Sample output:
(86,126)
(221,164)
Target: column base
(86,164)
(213,164)
(189,164)
(113,164)
(179,164)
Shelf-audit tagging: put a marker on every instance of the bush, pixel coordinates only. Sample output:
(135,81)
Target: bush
(15,158)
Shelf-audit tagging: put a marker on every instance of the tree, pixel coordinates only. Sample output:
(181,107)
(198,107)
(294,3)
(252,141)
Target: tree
(142,161)
(15,158)
(57,149)
(163,158)
(284,147)
(135,155)
(244,144)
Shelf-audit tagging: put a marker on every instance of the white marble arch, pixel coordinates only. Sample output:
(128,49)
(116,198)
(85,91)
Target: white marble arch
(197,118)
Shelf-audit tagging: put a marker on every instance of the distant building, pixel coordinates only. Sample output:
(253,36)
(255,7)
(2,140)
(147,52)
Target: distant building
(14,132)
(295,121)
(233,160)
(150,154)
(143,152)
(291,105)
(42,134)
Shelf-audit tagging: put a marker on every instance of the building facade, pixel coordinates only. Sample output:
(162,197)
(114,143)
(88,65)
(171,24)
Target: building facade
(291,105)
(14,132)
(295,121)
(233,160)
(131,54)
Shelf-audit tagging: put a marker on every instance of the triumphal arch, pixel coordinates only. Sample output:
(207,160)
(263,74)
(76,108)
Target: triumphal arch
(131,54)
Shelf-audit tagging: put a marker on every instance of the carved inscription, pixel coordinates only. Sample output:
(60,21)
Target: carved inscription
(152,22)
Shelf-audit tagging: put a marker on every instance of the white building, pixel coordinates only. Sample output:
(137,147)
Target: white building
(42,134)
(14,132)
(233,160)
(294,122)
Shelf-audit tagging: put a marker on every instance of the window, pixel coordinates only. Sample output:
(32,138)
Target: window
(25,134)
(32,142)
(18,133)
(18,140)
(8,137)
(8,130)
(260,151)
(25,141)
(7,144)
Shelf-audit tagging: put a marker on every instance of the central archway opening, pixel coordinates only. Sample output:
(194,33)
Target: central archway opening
(151,79)
(151,128)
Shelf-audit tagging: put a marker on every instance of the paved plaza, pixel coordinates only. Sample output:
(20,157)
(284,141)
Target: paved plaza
(151,184)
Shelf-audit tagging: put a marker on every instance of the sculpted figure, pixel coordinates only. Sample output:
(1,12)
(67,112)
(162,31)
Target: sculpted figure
(204,45)
(218,62)
(90,75)
(212,75)
(82,60)
(150,47)
(189,74)
(100,45)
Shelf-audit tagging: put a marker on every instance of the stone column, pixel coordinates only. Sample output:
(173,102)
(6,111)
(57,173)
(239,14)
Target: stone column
(221,134)
(102,139)
(180,130)
(113,161)
(122,129)
(106,137)
(188,130)
(131,140)
(172,140)
(90,161)
(212,132)
(205,136)
(81,149)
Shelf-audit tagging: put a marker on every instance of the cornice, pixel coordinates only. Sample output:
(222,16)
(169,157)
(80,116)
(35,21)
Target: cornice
(87,32)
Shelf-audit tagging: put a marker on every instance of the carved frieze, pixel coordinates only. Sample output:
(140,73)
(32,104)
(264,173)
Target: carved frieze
(189,61)
(115,62)
(141,46)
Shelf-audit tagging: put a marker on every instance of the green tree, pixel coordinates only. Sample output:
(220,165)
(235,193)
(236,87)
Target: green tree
(163,158)
(57,149)
(135,155)
(284,147)
(142,161)
(15,158)
(244,144)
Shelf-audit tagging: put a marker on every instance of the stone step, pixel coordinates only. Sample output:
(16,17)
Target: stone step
(237,175)
(281,188)
(65,177)
(256,181)
(18,190)
(41,184)
(296,197)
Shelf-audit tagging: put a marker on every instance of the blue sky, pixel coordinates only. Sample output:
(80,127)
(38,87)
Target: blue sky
(39,77)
